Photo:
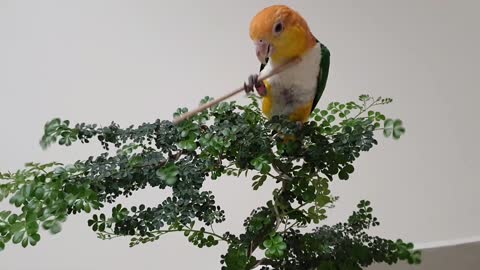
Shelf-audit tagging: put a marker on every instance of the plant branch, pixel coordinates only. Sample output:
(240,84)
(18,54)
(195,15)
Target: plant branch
(161,232)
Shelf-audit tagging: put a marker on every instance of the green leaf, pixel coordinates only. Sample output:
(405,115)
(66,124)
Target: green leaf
(397,123)
(17,226)
(27,190)
(343,175)
(189,145)
(398,132)
(4,214)
(277,239)
(31,217)
(168,173)
(18,199)
(331,118)
(270,253)
(309,194)
(48,224)
(388,127)
(268,243)
(56,227)
(364,98)
(35,237)
(87,208)
(261,164)
(25,242)
(398,129)
(18,237)
(322,200)
(32,227)
(261,180)
(282,246)
(12,218)
(39,192)
(388,123)
(348,168)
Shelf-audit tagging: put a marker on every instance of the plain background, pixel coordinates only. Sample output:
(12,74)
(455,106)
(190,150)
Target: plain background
(135,61)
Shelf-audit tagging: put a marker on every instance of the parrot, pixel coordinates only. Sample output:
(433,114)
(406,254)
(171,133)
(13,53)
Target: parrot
(280,34)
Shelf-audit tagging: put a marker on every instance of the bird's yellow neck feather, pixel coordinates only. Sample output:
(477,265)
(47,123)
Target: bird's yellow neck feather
(294,42)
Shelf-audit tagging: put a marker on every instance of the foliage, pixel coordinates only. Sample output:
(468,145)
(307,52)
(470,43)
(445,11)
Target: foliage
(228,139)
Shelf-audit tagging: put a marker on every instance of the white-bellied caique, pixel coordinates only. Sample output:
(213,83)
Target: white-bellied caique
(280,34)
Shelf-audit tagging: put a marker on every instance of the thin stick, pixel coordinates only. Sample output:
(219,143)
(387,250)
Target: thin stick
(207,105)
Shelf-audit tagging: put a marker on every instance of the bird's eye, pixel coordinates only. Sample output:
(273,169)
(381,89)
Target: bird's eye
(278,28)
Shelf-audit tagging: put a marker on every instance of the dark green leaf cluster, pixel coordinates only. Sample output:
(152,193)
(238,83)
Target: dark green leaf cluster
(228,139)
(343,246)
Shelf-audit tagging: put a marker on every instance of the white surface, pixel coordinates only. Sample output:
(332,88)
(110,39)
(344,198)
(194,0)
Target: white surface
(135,61)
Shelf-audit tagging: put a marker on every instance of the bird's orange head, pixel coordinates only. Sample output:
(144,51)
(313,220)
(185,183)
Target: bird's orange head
(280,33)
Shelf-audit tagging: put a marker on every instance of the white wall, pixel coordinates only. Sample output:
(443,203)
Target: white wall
(135,61)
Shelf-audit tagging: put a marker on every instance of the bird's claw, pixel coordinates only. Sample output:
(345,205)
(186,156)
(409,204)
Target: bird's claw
(250,85)
(253,83)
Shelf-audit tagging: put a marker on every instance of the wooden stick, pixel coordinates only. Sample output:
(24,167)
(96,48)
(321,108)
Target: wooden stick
(207,105)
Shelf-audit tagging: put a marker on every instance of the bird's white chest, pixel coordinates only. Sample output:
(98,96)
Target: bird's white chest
(296,86)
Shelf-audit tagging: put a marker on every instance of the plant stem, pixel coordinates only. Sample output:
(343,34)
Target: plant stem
(366,108)
(296,208)
(192,230)
(291,226)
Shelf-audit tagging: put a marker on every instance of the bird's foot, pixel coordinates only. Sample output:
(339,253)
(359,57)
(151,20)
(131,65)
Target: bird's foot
(253,83)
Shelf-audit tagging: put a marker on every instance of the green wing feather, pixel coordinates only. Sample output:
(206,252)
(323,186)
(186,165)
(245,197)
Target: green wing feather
(322,75)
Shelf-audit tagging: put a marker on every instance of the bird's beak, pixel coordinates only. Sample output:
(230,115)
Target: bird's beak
(263,50)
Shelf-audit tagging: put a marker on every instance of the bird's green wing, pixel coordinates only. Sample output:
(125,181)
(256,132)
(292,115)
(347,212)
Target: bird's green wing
(322,75)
